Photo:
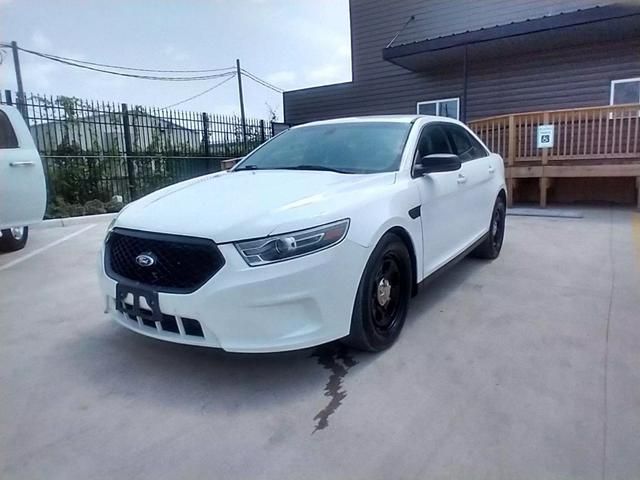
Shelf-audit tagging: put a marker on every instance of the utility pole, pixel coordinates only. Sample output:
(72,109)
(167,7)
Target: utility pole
(244,125)
(16,64)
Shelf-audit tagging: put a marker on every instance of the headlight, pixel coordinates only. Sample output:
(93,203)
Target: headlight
(112,223)
(291,245)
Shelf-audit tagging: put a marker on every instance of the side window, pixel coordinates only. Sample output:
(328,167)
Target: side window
(7,135)
(433,140)
(465,146)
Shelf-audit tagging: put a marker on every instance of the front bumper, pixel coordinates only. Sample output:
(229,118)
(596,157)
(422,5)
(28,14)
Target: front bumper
(289,305)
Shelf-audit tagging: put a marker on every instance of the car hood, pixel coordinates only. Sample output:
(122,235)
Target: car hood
(230,206)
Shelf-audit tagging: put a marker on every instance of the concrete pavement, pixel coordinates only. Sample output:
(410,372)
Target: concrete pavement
(525,367)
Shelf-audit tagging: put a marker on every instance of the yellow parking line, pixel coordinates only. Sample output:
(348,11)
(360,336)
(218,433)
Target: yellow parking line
(636,233)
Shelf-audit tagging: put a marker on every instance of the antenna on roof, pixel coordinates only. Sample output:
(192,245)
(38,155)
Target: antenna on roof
(411,18)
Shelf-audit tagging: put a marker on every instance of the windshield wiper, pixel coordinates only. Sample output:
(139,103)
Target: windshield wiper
(314,167)
(247,167)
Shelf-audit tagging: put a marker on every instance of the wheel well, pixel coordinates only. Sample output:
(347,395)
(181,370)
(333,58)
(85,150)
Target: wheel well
(503,196)
(404,236)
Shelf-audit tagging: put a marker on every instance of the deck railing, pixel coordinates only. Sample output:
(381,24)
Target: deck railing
(588,142)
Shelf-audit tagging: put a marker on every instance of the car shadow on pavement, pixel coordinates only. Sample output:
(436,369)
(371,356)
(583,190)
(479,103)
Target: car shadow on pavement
(442,285)
(126,366)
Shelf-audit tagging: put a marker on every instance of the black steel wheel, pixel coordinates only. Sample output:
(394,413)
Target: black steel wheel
(490,248)
(13,239)
(383,296)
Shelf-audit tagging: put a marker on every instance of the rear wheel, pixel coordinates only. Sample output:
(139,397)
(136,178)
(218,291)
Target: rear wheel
(490,248)
(13,239)
(383,296)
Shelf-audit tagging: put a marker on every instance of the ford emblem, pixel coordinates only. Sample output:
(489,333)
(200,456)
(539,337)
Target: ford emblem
(146,259)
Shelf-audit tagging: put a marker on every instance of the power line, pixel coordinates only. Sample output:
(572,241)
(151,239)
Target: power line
(230,76)
(124,74)
(262,82)
(93,67)
(119,67)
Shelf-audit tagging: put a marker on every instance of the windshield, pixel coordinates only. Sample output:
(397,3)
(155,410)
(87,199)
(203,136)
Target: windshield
(363,147)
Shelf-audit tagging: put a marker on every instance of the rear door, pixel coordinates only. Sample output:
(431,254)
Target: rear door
(23,193)
(478,193)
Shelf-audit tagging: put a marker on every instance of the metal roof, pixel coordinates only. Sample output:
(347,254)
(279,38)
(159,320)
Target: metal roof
(609,22)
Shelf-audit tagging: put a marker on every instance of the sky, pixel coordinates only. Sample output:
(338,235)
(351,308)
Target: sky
(292,44)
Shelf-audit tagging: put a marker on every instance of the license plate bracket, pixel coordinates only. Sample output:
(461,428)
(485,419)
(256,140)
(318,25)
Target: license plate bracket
(151,298)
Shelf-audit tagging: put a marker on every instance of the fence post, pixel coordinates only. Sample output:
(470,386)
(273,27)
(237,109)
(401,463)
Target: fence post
(511,157)
(262,132)
(205,140)
(131,180)
(544,181)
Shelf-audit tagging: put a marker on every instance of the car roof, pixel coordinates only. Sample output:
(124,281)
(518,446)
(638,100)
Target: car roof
(379,118)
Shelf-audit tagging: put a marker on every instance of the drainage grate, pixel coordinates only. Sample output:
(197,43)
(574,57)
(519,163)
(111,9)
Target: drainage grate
(544,212)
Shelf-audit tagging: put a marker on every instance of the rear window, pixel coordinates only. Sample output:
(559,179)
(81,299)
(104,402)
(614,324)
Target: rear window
(8,137)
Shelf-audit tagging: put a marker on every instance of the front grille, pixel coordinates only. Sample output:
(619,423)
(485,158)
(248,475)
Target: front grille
(180,264)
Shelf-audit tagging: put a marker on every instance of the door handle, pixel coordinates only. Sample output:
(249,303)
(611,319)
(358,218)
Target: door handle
(492,169)
(22,164)
(462,178)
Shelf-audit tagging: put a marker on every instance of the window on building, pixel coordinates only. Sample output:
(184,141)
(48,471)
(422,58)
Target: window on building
(7,135)
(625,91)
(447,107)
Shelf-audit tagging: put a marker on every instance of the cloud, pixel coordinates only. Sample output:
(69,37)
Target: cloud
(176,54)
(40,41)
(38,75)
(328,73)
(344,50)
(283,78)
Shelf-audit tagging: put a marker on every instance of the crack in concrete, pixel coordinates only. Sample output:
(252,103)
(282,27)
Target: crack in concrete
(606,349)
(337,360)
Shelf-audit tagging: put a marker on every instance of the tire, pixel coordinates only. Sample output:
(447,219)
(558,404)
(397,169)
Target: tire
(490,248)
(13,239)
(382,301)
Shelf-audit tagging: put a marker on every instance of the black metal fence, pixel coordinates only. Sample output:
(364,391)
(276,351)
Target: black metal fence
(94,151)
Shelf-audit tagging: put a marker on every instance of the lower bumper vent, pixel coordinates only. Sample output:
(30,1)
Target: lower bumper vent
(169,323)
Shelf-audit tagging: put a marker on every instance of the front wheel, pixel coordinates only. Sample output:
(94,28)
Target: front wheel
(490,248)
(13,239)
(383,296)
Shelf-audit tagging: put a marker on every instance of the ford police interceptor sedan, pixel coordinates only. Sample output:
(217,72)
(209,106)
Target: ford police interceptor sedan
(322,233)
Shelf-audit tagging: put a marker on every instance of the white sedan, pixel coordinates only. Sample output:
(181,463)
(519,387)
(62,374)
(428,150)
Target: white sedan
(322,233)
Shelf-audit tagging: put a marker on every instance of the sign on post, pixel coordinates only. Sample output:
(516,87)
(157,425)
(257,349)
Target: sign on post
(545,136)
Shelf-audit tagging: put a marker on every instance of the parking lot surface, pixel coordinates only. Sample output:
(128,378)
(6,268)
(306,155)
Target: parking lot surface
(525,367)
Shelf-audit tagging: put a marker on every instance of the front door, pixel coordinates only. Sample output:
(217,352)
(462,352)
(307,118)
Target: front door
(442,226)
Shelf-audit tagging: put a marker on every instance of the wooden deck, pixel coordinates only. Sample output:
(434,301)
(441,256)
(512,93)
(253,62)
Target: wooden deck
(588,142)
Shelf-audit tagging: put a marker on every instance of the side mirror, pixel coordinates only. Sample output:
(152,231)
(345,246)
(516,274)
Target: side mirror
(438,162)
